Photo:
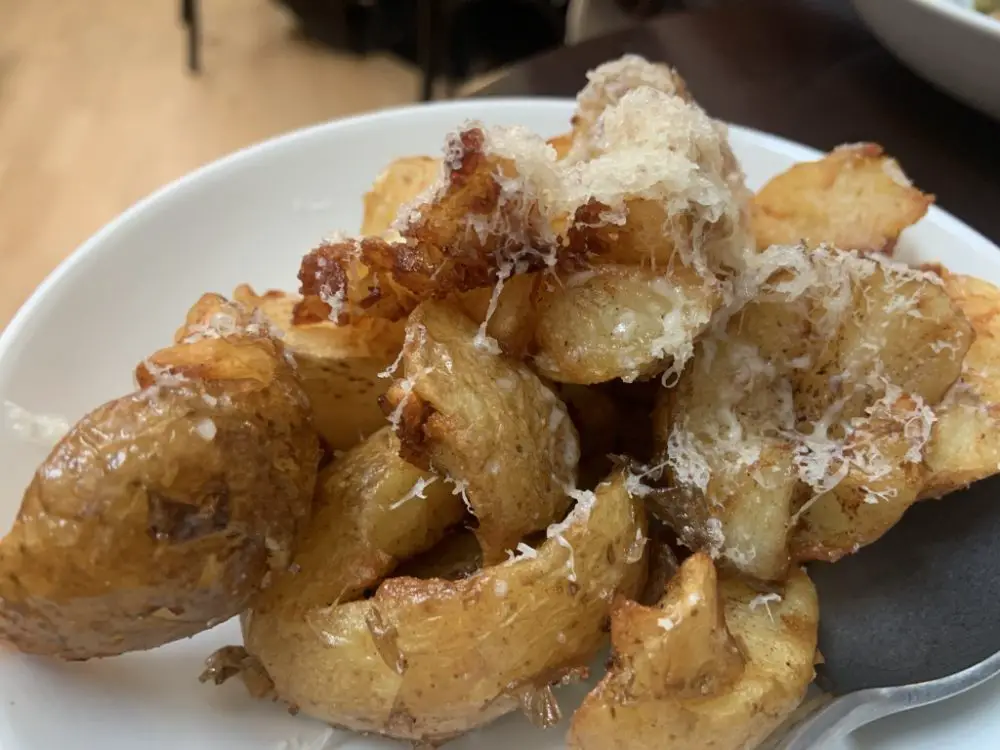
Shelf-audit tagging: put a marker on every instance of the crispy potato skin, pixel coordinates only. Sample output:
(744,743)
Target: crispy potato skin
(160,513)
(426,660)
(724,675)
(855,198)
(338,366)
(964,445)
(454,242)
(400,183)
(485,420)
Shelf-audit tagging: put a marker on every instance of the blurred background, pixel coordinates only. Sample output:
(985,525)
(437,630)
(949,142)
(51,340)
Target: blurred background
(103,101)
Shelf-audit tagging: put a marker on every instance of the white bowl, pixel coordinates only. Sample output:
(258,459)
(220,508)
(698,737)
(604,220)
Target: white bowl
(946,41)
(250,218)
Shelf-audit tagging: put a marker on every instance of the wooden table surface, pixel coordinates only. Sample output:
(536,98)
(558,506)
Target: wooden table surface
(807,70)
(924,601)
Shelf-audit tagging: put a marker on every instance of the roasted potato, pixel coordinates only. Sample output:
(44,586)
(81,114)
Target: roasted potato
(406,179)
(800,430)
(162,513)
(338,366)
(651,196)
(854,198)
(372,511)
(485,421)
(426,660)
(399,184)
(507,314)
(965,440)
(487,221)
(620,322)
(714,664)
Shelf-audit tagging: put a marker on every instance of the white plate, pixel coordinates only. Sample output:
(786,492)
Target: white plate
(250,218)
(945,41)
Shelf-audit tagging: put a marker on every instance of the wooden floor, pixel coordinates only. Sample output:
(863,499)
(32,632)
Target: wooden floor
(97,110)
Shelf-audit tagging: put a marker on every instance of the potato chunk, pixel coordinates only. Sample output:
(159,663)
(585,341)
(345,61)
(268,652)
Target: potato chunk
(855,198)
(714,664)
(801,429)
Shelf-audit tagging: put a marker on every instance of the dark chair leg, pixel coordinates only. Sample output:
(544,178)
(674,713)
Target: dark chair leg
(191,17)
(427,42)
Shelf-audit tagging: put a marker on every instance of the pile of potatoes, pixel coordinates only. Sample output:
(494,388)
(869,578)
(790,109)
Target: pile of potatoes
(554,389)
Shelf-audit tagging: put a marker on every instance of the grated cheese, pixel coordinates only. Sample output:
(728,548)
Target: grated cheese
(206,429)
(417,490)
(462,489)
(764,600)
(406,385)
(523,552)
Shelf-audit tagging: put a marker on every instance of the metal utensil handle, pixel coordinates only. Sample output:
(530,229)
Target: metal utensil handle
(823,720)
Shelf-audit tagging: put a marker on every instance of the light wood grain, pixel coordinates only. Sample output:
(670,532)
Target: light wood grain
(97,110)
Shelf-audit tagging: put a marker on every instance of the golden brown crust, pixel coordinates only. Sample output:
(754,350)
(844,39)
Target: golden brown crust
(161,513)
(338,365)
(620,322)
(964,445)
(486,421)
(399,184)
(713,664)
(426,660)
(455,241)
(855,198)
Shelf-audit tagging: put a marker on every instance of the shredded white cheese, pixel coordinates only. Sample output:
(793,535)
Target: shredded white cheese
(764,600)
(206,429)
(417,490)
(522,552)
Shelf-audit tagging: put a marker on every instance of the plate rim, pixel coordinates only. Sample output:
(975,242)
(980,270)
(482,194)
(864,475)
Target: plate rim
(976,244)
(979,244)
(968,17)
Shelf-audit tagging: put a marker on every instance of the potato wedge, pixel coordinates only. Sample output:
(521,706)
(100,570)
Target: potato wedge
(965,442)
(399,183)
(426,660)
(338,366)
(883,478)
(713,664)
(801,427)
(855,198)
(161,513)
(621,322)
(372,511)
(487,422)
